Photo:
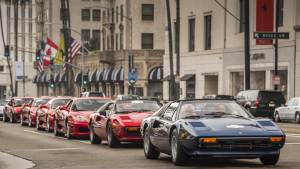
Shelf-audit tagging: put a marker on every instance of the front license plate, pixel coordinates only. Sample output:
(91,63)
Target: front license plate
(271,105)
(132,129)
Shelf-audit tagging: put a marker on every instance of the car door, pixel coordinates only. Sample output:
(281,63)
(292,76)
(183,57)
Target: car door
(292,109)
(161,128)
(100,120)
(285,115)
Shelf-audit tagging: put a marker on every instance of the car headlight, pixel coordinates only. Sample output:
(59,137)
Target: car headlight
(81,119)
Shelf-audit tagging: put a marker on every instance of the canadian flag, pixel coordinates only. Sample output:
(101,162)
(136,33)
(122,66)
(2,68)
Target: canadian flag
(49,52)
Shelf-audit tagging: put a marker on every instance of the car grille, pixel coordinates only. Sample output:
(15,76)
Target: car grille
(133,133)
(240,144)
(83,129)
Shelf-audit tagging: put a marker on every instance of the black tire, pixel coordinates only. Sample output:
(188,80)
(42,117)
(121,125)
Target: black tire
(56,133)
(276,117)
(30,121)
(270,160)
(94,139)
(179,158)
(13,118)
(22,120)
(37,124)
(149,150)
(48,125)
(297,117)
(68,134)
(111,139)
(5,118)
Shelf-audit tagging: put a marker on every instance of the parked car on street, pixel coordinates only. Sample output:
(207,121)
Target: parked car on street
(13,108)
(29,110)
(2,106)
(71,120)
(45,113)
(220,97)
(261,103)
(210,128)
(289,112)
(120,121)
(92,94)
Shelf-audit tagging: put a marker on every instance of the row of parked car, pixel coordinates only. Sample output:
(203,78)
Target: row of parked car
(183,129)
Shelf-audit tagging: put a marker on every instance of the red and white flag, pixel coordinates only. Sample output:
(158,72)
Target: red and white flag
(49,52)
(264,19)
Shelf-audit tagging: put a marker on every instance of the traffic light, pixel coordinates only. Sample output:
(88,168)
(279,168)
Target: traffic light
(51,83)
(85,79)
(6,51)
(37,56)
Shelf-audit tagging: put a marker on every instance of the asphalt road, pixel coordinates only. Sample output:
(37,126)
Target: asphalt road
(23,147)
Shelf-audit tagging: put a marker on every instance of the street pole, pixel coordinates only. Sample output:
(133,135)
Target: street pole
(177,45)
(247,46)
(23,44)
(172,79)
(276,42)
(16,14)
(82,64)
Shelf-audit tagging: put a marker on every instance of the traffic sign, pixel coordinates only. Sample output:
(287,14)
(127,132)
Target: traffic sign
(271,35)
(132,76)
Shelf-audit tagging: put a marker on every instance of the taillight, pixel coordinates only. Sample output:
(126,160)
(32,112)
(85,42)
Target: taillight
(257,103)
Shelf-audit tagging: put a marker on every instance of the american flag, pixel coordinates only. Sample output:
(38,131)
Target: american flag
(74,48)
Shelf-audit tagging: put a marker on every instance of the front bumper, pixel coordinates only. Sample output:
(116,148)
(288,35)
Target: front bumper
(79,129)
(231,148)
(124,134)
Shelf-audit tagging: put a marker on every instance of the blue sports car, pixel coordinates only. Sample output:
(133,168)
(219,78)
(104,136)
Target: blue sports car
(210,128)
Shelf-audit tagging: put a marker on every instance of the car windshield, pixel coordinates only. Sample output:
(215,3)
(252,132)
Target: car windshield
(211,109)
(59,102)
(27,100)
(88,104)
(96,94)
(18,102)
(39,102)
(267,96)
(136,106)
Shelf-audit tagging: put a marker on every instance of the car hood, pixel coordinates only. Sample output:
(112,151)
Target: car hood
(17,109)
(85,114)
(132,119)
(232,127)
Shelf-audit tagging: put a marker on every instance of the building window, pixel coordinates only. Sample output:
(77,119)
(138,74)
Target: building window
(192,34)
(280,12)
(112,42)
(107,41)
(112,15)
(95,42)
(96,15)
(103,42)
(242,16)
(122,12)
(147,40)
(1,68)
(117,14)
(85,33)
(85,15)
(117,40)
(207,32)
(121,40)
(147,12)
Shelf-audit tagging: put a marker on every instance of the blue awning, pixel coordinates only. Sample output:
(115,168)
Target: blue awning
(56,78)
(62,77)
(99,75)
(119,75)
(108,75)
(92,76)
(78,77)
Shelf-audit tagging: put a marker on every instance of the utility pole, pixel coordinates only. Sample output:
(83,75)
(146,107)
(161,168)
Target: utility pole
(23,41)
(247,46)
(16,27)
(67,34)
(177,47)
(172,92)
(276,42)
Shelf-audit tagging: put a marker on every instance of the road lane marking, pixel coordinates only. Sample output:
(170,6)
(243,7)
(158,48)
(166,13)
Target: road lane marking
(46,149)
(85,142)
(292,143)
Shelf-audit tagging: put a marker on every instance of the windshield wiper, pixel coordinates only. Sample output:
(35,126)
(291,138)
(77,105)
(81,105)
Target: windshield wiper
(192,117)
(220,114)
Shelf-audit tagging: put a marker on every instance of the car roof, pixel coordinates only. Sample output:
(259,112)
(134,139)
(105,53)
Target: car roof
(91,98)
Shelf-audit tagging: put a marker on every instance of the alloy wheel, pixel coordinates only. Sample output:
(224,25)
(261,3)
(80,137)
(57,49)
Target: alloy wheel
(146,142)
(174,147)
(29,121)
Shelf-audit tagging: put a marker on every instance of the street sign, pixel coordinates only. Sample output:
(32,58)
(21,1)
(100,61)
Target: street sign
(271,35)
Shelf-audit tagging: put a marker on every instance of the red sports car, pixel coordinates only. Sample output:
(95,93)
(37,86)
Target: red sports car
(12,110)
(120,121)
(72,119)
(29,110)
(45,113)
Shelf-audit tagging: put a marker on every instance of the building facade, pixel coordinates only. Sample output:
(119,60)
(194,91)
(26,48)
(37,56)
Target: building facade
(212,50)
(25,48)
(111,30)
